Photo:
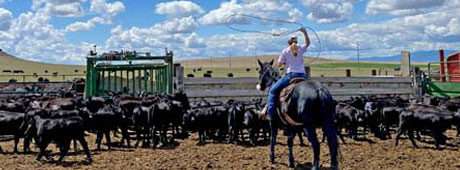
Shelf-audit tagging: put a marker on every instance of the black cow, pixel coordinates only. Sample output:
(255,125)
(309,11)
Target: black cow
(143,121)
(12,123)
(390,118)
(256,123)
(103,121)
(422,118)
(347,118)
(59,130)
(236,116)
(206,121)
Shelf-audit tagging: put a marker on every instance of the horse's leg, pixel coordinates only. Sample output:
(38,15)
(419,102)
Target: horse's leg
(16,142)
(107,139)
(301,138)
(273,134)
(290,142)
(311,135)
(331,133)
(99,136)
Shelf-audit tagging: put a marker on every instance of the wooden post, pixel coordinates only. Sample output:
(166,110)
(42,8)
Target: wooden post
(374,72)
(443,65)
(405,64)
(348,72)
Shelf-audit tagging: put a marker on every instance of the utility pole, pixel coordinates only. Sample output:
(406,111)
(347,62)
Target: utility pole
(357,51)
(230,62)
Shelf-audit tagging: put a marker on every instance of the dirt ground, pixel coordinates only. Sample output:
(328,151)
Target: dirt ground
(188,155)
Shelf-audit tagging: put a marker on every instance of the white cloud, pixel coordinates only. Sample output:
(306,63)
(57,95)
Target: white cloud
(402,7)
(60,8)
(193,41)
(5,19)
(329,11)
(261,8)
(31,36)
(65,10)
(429,31)
(178,8)
(107,12)
(85,26)
(107,9)
(178,25)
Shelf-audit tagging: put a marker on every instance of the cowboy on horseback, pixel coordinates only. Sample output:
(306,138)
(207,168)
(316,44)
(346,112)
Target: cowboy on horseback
(292,60)
(305,104)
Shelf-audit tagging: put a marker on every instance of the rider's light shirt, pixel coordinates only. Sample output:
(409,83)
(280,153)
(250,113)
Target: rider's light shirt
(293,64)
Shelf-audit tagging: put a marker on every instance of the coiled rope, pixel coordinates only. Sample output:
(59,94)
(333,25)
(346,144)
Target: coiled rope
(272,20)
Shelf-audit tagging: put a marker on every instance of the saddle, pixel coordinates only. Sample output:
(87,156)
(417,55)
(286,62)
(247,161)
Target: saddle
(285,96)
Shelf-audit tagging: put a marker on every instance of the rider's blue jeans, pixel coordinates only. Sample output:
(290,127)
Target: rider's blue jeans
(276,88)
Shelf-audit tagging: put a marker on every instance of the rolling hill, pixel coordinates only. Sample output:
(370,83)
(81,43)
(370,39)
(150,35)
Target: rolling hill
(11,63)
(417,56)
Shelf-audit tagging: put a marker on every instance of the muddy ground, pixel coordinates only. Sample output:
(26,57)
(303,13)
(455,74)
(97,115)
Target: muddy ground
(373,154)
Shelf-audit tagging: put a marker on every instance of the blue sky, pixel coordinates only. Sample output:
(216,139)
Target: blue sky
(63,31)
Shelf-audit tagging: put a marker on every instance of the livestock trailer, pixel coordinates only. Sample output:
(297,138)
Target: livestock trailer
(128,72)
(443,78)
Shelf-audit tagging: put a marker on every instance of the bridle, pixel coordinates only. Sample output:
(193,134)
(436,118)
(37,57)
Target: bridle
(273,75)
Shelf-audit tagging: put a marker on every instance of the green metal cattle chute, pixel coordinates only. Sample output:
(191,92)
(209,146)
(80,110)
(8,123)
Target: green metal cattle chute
(129,73)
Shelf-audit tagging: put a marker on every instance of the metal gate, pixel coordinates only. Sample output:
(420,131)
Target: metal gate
(129,73)
(443,76)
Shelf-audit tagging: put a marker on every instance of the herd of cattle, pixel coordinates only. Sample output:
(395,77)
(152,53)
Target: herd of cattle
(156,120)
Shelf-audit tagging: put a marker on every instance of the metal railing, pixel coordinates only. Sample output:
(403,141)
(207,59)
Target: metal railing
(435,72)
(38,77)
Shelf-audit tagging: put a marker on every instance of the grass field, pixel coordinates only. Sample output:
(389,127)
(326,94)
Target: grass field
(238,66)
(11,63)
(319,67)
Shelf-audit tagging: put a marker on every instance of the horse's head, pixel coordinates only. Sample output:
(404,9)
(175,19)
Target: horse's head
(267,75)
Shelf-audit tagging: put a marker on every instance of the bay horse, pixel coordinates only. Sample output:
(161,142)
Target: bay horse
(310,104)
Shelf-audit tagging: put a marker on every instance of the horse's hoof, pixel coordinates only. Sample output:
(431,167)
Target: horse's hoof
(315,168)
(291,165)
(334,168)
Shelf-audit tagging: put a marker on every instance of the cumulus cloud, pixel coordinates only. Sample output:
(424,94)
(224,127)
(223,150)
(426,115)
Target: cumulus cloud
(402,7)
(107,9)
(225,14)
(193,41)
(434,30)
(179,25)
(178,8)
(32,36)
(5,19)
(329,11)
(85,26)
(60,8)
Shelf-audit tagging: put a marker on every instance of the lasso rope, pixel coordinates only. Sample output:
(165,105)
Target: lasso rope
(283,33)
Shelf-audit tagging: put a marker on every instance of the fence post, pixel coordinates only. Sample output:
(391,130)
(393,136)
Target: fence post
(442,65)
(348,72)
(374,72)
(405,64)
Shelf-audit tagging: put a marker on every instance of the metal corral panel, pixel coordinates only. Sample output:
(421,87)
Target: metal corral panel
(445,89)
(154,74)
